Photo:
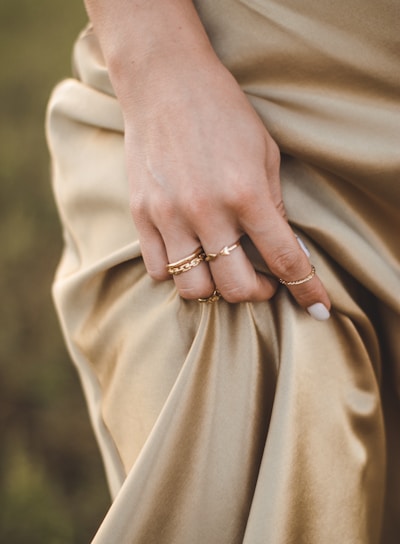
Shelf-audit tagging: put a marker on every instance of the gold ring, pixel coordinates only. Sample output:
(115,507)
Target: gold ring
(187,263)
(216,295)
(303,280)
(226,250)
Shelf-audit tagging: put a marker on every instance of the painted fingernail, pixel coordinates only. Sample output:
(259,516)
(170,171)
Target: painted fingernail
(303,246)
(319,311)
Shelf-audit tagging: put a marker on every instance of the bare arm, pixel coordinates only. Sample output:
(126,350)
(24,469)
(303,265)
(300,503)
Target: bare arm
(202,168)
(134,32)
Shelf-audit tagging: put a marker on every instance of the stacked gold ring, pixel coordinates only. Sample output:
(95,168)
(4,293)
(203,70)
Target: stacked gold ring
(197,257)
(187,263)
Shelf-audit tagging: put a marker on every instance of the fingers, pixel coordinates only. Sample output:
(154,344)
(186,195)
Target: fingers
(288,260)
(171,238)
(234,275)
(192,278)
(231,272)
(200,183)
(191,275)
(153,252)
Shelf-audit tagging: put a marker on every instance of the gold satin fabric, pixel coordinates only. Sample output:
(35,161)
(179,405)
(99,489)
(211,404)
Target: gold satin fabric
(248,423)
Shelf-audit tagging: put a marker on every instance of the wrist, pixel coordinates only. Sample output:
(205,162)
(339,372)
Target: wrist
(148,41)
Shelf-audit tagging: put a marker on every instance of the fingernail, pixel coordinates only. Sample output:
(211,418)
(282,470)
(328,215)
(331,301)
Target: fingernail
(303,246)
(319,311)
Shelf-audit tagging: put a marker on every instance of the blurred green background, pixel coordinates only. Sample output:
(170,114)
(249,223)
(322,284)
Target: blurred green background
(52,485)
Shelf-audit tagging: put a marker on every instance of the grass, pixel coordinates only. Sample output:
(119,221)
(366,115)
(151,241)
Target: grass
(52,486)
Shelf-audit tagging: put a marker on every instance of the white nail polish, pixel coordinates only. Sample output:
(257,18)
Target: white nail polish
(319,311)
(303,246)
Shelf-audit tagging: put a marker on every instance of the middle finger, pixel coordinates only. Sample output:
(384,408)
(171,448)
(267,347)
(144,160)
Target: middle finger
(234,274)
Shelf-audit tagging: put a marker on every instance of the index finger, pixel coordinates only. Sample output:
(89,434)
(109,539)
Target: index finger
(287,260)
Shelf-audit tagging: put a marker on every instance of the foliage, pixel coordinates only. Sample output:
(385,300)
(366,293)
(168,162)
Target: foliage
(52,486)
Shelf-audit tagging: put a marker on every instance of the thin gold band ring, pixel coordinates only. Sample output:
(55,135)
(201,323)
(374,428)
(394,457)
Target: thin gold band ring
(226,250)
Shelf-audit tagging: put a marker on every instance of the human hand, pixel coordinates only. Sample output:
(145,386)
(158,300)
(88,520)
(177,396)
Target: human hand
(203,171)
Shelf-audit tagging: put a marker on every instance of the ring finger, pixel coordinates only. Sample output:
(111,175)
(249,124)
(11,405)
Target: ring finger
(188,268)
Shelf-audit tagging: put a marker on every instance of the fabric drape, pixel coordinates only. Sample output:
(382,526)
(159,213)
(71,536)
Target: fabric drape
(249,423)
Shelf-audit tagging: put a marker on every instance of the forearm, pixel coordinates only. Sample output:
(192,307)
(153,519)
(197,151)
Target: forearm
(139,35)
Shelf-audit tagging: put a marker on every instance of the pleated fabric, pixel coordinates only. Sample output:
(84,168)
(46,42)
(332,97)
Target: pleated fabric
(247,423)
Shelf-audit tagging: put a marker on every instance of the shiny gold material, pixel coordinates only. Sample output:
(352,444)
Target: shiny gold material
(187,263)
(299,282)
(216,295)
(226,250)
(251,423)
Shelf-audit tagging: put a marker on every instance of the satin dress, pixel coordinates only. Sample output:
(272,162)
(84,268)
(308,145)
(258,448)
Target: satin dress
(247,423)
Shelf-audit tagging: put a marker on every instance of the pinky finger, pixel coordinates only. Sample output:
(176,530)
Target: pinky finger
(154,254)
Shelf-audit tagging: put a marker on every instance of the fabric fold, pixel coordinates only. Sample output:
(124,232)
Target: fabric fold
(247,423)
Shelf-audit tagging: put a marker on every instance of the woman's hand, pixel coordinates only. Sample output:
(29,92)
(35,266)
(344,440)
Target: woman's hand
(203,171)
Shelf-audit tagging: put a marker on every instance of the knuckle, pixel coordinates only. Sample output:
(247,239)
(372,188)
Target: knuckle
(235,294)
(156,207)
(246,194)
(162,209)
(194,206)
(244,204)
(155,267)
(241,192)
(137,206)
(284,263)
(157,273)
(274,155)
(193,292)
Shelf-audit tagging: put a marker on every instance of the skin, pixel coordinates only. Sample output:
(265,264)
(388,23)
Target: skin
(203,169)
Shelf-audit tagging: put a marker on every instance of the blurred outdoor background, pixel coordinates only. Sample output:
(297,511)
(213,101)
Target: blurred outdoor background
(52,486)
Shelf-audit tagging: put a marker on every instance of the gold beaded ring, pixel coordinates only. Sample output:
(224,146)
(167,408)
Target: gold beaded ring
(303,280)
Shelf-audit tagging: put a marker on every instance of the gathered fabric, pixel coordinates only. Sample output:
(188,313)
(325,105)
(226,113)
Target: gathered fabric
(247,423)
